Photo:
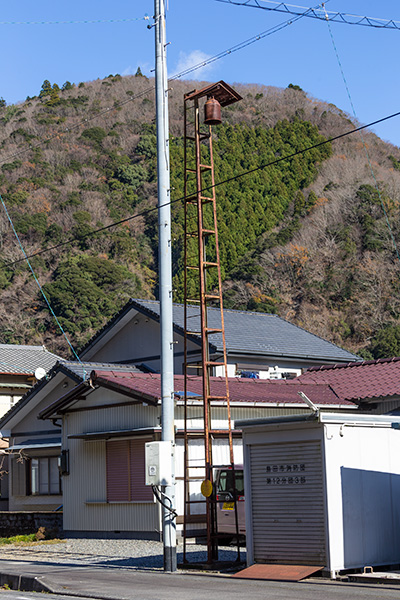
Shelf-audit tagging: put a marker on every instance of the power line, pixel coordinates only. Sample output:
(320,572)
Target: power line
(239,46)
(362,138)
(206,189)
(82,22)
(150,89)
(318,13)
(39,286)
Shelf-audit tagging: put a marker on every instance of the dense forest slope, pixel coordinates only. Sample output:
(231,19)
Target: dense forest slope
(307,238)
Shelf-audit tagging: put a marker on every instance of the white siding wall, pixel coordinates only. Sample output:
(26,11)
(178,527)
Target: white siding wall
(85,499)
(218,416)
(140,340)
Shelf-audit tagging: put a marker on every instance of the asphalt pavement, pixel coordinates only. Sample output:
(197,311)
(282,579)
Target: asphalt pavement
(51,571)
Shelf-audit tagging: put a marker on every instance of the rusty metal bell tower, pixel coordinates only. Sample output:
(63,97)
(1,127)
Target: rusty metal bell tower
(203,290)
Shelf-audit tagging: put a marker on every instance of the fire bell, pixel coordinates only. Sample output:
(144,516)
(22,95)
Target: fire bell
(212,112)
(218,95)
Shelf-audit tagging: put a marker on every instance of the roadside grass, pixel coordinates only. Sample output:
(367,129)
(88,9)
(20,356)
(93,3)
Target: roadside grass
(30,539)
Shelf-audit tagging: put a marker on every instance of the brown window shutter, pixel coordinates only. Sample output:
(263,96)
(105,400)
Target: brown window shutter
(139,491)
(117,464)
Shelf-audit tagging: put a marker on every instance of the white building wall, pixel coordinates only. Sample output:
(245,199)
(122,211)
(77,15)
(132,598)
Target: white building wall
(140,340)
(7,401)
(85,497)
(363,495)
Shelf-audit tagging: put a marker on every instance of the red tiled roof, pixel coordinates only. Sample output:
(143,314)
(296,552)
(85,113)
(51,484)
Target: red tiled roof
(147,386)
(358,381)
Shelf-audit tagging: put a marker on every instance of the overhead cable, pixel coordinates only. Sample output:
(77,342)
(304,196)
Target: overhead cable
(82,22)
(150,89)
(362,138)
(206,189)
(26,258)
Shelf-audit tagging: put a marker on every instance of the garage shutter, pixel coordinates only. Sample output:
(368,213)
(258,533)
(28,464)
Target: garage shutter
(288,503)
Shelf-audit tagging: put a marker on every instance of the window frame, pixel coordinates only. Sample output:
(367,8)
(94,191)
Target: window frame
(49,476)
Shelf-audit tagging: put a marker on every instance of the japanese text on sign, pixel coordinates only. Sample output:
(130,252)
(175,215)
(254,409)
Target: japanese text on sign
(297,469)
(293,468)
(285,480)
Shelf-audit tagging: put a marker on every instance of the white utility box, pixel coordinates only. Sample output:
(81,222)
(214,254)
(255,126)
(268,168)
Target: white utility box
(158,463)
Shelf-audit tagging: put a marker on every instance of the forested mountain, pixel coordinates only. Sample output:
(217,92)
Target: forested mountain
(309,238)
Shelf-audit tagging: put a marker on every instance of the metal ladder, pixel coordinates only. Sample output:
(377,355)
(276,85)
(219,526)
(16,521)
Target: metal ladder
(202,289)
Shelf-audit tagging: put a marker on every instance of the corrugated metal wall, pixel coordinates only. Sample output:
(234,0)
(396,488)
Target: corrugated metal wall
(85,494)
(237,412)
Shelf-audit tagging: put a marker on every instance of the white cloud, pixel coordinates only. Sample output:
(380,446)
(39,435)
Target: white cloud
(192,59)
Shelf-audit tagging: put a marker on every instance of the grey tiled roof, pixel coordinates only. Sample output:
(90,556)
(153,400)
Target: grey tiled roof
(79,371)
(256,333)
(15,358)
(83,369)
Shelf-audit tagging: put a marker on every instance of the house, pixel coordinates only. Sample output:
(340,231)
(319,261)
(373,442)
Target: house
(20,367)
(35,445)
(106,421)
(374,385)
(258,344)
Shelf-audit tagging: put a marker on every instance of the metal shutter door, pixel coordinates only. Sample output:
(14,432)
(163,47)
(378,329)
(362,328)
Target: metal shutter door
(288,503)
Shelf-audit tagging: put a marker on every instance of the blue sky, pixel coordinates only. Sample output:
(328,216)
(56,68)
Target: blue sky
(302,53)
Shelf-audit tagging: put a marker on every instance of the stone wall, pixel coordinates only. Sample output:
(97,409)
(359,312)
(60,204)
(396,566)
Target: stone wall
(22,523)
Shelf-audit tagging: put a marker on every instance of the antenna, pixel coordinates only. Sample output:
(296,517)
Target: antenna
(40,373)
(309,403)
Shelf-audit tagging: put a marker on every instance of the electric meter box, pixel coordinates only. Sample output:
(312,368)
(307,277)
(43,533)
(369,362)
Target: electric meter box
(158,463)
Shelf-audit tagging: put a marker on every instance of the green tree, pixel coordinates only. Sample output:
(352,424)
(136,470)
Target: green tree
(386,343)
(49,93)
(67,86)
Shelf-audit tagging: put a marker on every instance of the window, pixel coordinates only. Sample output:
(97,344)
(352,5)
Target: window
(45,477)
(125,463)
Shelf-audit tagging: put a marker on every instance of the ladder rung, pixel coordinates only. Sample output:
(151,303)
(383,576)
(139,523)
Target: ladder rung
(212,297)
(193,300)
(206,265)
(192,267)
(202,136)
(217,398)
(212,330)
(205,166)
(215,363)
(205,232)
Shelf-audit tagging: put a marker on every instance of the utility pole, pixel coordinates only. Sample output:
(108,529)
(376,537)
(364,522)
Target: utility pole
(165,278)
